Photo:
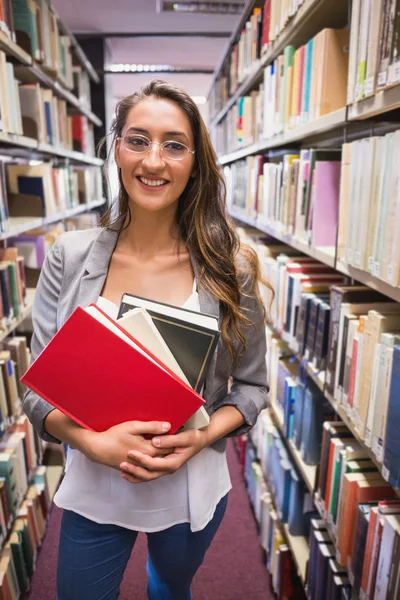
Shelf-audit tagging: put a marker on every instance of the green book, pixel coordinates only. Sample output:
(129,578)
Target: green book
(21,528)
(24,12)
(7,471)
(288,60)
(15,544)
(12,273)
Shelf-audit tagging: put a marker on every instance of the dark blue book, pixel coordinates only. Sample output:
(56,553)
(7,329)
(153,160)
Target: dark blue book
(33,186)
(317,409)
(289,400)
(283,490)
(49,125)
(391,459)
(296,521)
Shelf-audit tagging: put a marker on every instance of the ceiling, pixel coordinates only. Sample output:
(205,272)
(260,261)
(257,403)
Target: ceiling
(141,17)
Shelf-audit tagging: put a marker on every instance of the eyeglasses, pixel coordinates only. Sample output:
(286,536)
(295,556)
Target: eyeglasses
(139,144)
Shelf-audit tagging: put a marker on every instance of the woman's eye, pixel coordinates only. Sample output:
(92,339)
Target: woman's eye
(174,146)
(137,142)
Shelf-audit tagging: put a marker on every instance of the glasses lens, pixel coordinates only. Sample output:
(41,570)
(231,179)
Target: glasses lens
(174,150)
(136,143)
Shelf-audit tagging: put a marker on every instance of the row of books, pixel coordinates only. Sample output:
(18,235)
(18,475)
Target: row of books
(33,25)
(24,534)
(350,331)
(258,34)
(374,48)
(45,189)
(279,560)
(37,113)
(299,86)
(370,201)
(13,296)
(296,194)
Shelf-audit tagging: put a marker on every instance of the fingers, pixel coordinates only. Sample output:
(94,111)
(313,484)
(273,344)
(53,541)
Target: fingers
(180,440)
(149,427)
(137,474)
(138,463)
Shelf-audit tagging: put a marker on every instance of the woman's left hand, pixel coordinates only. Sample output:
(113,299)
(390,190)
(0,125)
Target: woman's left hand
(140,467)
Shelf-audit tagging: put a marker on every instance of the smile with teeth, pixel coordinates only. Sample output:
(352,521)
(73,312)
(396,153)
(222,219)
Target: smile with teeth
(152,182)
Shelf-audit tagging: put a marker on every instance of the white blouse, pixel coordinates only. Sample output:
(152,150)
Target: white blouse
(190,495)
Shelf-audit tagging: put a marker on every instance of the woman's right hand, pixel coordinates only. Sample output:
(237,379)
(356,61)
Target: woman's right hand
(111,447)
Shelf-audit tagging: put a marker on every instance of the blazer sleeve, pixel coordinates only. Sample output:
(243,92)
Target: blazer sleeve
(249,389)
(44,317)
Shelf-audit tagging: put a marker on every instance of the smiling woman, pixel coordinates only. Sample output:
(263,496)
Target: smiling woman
(170,242)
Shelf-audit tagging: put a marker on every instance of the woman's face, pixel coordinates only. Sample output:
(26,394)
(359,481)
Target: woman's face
(152,181)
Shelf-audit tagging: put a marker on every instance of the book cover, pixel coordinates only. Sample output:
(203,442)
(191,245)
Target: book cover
(192,337)
(75,374)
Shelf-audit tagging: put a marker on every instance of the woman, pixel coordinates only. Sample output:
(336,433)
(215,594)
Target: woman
(170,242)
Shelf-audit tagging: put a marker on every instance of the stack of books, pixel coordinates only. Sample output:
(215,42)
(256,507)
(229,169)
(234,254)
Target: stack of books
(168,350)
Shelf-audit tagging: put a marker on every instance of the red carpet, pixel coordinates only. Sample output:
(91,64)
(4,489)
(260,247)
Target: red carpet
(233,568)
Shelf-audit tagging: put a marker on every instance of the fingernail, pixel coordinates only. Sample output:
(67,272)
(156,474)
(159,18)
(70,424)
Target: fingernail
(165,426)
(123,466)
(156,441)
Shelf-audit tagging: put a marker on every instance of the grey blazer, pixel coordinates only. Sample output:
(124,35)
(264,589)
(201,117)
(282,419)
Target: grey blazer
(74,273)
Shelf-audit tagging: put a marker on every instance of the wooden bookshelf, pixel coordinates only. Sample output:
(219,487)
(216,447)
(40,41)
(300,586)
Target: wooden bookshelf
(334,120)
(19,225)
(379,104)
(25,312)
(304,24)
(367,279)
(324,255)
(12,49)
(34,73)
(26,143)
(300,551)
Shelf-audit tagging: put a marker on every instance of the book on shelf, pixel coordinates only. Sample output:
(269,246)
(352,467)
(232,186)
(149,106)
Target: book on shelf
(159,393)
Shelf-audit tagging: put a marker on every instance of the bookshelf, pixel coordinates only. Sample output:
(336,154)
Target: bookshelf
(23,142)
(21,225)
(300,551)
(25,313)
(12,49)
(303,132)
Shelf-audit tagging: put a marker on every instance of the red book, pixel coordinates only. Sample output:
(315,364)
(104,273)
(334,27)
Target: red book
(99,375)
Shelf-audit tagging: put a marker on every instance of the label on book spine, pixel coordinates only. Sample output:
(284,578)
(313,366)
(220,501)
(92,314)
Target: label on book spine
(349,255)
(396,73)
(370,263)
(382,79)
(377,269)
(369,86)
(359,92)
(390,273)
(379,450)
(385,473)
(357,259)
(368,436)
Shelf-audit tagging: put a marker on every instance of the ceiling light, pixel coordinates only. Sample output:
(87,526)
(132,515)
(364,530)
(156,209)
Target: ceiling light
(221,8)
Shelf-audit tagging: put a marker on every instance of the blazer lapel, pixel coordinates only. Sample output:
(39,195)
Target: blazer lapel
(96,266)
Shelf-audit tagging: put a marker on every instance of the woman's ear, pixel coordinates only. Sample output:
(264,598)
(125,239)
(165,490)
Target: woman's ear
(116,152)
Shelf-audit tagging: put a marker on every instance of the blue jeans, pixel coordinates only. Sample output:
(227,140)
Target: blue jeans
(92,558)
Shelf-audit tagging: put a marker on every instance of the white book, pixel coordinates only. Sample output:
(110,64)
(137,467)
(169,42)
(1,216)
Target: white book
(365,191)
(354,35)
(139,324)
(373,47)
(377,380)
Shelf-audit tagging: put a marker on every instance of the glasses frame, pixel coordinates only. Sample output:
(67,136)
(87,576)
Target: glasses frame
(161,144)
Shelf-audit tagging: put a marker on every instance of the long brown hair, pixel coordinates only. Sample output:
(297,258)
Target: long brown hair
(207,232)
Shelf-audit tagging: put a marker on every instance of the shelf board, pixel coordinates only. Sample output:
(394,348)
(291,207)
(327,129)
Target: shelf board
(326,123)
(369,280)
(300,551)
(324,255)
(20,141)
(19,225)
(307,472)
(350,425)
(25,312)
(304,24)
(12,49)
(380,103)
(34,73)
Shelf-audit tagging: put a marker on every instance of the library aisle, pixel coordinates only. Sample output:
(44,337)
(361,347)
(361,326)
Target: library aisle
(233,569)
